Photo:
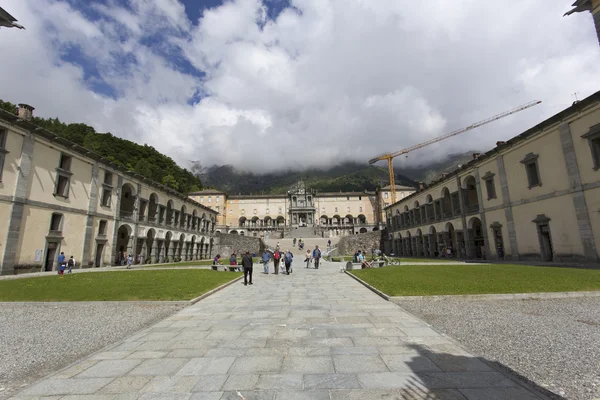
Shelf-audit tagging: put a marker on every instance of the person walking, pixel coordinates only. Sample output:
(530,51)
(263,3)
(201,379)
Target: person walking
(247,264)
(288,258)
(129,261)
(294,245)
(61,264)
(316,255)
(71,264)
(276,259)
(308,257)
(265,260)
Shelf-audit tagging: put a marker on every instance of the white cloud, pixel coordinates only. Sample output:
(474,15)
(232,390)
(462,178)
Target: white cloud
(338,80)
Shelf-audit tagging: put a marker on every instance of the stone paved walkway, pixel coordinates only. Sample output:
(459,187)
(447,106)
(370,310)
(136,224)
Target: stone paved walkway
(316,334)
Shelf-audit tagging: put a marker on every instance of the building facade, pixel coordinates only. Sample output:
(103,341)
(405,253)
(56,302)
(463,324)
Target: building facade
(329,214)
(534,197)
(593,6)
(56,196)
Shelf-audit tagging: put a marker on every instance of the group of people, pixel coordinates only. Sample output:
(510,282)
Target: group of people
(64,264)
(359,257)
(280,258)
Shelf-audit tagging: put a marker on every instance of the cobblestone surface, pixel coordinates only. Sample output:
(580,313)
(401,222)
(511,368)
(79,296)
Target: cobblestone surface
(40,338)
(315,334)
(552,342)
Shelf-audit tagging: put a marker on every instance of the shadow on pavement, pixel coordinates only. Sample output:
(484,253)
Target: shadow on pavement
(446,372)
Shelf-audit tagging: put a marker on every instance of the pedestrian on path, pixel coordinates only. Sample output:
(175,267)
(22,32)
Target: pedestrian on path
(247,264)
(316,255)
(129,261)
(70,264)
(308,258)
(294,245)
(61,264)
(288,258)
(276,259)
(265,260)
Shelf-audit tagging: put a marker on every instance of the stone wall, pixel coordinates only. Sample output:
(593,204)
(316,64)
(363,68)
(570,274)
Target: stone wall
(238,244)
(363,241)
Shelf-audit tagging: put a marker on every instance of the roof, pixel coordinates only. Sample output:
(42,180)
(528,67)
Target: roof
(206,191)
(580,6)
(577,107)
(398,187)
(342,194)
(14,120)
(258,196)
(6,16)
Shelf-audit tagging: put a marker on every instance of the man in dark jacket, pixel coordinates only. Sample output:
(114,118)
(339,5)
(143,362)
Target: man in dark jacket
(247,264)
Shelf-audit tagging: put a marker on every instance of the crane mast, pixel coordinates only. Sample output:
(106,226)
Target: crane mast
(390,156)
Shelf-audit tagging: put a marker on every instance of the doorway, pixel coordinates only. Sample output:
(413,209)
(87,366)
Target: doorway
(50,256)
(99,249)
(546,243)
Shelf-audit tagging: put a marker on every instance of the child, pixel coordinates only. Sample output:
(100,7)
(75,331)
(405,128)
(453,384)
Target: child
(71,264)
(129,261)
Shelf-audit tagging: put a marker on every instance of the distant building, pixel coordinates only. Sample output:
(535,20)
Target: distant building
(56,196)
(535,197)
(329,214)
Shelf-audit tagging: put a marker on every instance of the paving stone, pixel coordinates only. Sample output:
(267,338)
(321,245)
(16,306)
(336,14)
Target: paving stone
(121,396)
(391,380)
(430,394)
(354,350)
(171,384)
(359,364)
(164,396)
(301,365)
(248,365)
(250,395)
(160,366)
(111,355)
(385,332)
(207,396)
(409,363)
(421,332)
(460,380)
(186,353)
(147,354)
(449,362)
(331,381)
(303,395)
(207,366)
(241,382)
(225,352)
(53,387)
(402,349)
(498,394)
(75,369)
(109,368)
(124,384)
(366,395)
(279,382)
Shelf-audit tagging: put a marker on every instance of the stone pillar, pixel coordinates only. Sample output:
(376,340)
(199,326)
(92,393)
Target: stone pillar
(510,224)
(144,252)
(463,216)
(131,244)
(154,256)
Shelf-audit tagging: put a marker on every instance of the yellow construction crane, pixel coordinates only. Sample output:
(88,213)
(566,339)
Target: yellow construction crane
(390,156)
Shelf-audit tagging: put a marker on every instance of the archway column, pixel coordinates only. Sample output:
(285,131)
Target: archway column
(155,255)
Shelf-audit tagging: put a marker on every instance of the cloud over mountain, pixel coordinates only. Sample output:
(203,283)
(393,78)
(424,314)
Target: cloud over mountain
(324,81)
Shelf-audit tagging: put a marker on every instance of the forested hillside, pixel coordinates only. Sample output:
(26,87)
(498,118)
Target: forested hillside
(142,159)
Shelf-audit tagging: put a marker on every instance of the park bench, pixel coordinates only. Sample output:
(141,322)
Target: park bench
(230,268)
(354,265)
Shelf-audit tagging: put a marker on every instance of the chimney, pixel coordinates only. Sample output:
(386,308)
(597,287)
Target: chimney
(25,112)
(500,144)
(476,156)
(421,186)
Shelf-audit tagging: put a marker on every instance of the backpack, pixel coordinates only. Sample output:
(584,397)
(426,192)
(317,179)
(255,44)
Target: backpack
(70,262)
(288,257)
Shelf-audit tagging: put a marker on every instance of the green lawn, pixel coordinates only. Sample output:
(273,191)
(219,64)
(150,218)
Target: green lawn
(117,286)
(403,260)
(426,280)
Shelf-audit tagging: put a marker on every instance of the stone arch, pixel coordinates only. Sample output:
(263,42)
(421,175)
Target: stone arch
(469,186)
(169,211)
(324,220)
(446,202)
(280,220)
(348,219)
(242,221)
(268,221)
(363,230)
(362,219)
(416,204)
(405,208)
(194,219)
(429,199)
(180,245)
(182,217)
(124,243)
(476,237)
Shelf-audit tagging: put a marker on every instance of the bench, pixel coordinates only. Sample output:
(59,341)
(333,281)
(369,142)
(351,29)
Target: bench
(374,264)
(230,268)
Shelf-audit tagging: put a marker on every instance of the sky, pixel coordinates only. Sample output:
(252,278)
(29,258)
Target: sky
(289,84)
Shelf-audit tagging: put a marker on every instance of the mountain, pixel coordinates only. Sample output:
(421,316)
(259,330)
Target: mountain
(142,159)
(432,170)
(346,177)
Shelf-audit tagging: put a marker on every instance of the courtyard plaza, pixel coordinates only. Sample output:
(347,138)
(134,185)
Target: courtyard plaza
(315,334)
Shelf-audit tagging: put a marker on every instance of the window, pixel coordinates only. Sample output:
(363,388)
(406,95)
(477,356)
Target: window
(243,212)
(217,208)
(63,176)
(280,210)
(102,228)
(230,211)
(56,222)
(488,178)
(323,210)
(201,199)
(348,209)
(531,167)
(593,137)
(218,199)
(209,199)
(108,178)
(336,210)
(385,195)
(347,197)
(359,198)
(3,151)
(360,209)
(106,194)
(267,210)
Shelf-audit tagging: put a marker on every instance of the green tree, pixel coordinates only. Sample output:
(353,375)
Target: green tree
(169,180)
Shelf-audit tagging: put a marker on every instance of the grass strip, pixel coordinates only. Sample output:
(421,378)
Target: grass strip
(116,286)
(428,280)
